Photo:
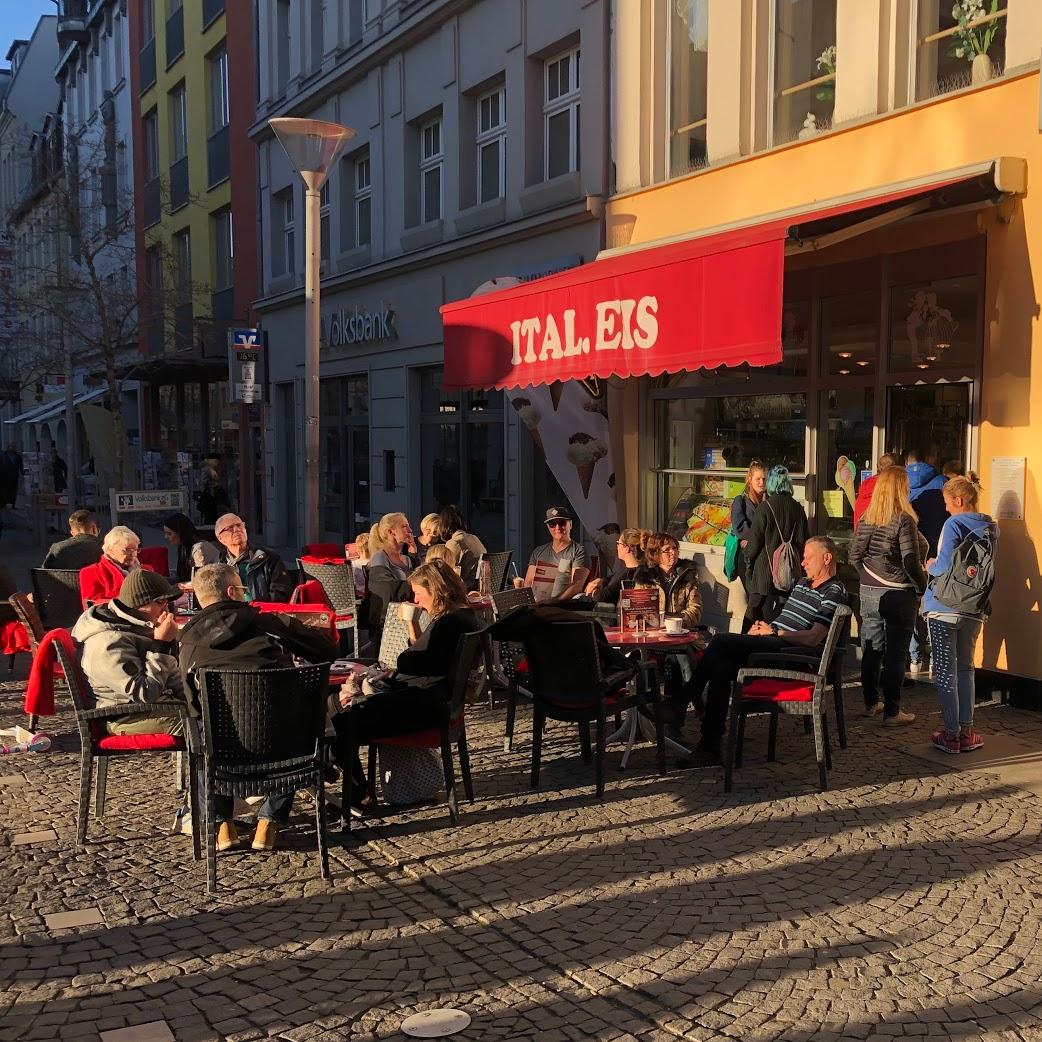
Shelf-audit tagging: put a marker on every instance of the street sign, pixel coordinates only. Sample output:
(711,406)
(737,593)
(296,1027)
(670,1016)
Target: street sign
(247,365)
(143,502)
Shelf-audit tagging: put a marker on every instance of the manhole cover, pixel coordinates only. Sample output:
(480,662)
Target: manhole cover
(434,1023)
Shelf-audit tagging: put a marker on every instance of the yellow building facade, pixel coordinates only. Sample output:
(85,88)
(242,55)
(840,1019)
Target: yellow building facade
(914,327)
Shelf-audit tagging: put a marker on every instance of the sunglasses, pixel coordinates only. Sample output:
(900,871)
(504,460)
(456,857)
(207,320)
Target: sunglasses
(556,524)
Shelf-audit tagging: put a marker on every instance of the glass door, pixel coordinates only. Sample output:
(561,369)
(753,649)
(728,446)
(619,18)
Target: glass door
(932,421)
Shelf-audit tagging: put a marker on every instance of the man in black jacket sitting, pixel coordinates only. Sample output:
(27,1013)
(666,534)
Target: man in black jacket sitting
(231,634)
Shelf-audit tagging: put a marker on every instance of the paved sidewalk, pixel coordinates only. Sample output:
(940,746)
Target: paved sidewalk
(904,901)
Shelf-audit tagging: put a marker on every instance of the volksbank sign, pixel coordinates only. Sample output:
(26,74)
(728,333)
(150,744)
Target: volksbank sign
(343,327)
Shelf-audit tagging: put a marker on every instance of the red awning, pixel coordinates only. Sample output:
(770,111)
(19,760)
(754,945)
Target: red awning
(699,303)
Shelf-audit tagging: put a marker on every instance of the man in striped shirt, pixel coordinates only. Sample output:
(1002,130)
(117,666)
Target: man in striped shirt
(803,623)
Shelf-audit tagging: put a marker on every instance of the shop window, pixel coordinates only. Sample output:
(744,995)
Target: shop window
(845,433)
(934,326)
(561,114)
(850,334)
(491,145)
(960,43)
(432,160)
(688,95)
(804,68)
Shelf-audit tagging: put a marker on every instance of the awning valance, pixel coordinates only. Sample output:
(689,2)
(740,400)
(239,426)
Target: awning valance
(698,302)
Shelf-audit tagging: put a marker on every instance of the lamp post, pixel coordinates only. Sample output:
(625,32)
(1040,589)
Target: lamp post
(313,146)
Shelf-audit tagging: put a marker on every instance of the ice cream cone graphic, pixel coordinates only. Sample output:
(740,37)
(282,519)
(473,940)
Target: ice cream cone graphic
(530,417)
(845,471)
(556,390)
(584,452)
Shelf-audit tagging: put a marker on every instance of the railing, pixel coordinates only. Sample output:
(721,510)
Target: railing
(211,9)
(147,59)
(217,157)
(175,36)
(152,201)
(179,184)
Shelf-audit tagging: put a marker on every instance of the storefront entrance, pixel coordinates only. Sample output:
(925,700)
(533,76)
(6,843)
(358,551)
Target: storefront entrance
(344,502)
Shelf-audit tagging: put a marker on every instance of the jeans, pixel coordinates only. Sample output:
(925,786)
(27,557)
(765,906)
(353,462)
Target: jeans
(953,645)
(274,808)
(918,645)
(887,624)
(726,654)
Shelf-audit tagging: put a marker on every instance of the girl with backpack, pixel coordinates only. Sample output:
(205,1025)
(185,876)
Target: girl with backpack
(743,510)
(956,603)
(774,546)
(888,553)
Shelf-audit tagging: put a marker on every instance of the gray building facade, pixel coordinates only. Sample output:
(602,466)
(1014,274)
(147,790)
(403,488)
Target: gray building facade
(481,151)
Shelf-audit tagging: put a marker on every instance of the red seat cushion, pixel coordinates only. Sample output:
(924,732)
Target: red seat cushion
(768,690)
(418,739)
(521,666)
(128,743)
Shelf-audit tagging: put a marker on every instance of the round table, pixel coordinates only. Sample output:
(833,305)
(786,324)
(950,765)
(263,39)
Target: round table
(650,641)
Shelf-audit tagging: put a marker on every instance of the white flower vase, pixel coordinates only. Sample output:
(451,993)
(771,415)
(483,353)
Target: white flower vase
(981,71)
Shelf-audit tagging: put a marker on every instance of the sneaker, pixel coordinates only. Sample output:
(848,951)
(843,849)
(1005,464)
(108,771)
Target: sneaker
(873,710)
(946,743)
(915,668)
(266,835)
(970,740)
(227,837)
(899,719)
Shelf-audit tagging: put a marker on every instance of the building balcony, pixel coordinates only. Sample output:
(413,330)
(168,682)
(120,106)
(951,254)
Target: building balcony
(179,184)
(175,36)
(147,59)
(217,157)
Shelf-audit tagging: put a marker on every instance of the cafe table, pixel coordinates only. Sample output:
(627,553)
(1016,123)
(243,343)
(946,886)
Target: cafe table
(648,644)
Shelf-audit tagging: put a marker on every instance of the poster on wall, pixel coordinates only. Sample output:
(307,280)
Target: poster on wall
(1008,476)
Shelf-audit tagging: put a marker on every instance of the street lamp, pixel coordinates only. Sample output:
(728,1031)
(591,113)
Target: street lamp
(313,146)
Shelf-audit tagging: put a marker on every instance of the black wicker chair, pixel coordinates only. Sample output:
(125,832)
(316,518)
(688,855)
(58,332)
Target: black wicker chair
(499,565)
(338,580)
(56,593)
(97,744)
(567,683)
(511,656)
(452,728)
(263,734)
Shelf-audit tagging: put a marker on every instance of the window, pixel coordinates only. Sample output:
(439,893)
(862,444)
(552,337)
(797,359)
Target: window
(960,44)
(148,21)
(561,115)
(223,250)
(284,216)
(282,45)
(934,325)
(323,222)
(355,20)
(105,45)
(431,161)
(318,15)
(117,43)
(70,103)
(150,135)
(178,123)
(363,202)
(688,81)
(218,63)
(804,68)
(183,263)
(491,140)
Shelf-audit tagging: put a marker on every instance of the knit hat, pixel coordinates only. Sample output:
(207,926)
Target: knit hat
(141,587)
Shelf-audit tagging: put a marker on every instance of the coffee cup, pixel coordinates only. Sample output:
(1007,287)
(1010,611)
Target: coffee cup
(408,612)
(518,582)
(674,624)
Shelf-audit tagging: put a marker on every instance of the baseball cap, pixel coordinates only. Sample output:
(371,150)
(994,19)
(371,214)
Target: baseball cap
(141,587)
(557,514)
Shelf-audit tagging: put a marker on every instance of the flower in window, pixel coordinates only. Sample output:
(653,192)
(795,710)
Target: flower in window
(826,63)
(969,39)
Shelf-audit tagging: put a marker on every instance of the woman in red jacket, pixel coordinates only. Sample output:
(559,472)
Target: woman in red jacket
(100,582)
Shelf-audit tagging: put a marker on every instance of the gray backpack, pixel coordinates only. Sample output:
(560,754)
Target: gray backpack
(965,586)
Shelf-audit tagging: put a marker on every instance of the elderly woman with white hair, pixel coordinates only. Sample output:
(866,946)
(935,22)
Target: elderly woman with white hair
(100,582)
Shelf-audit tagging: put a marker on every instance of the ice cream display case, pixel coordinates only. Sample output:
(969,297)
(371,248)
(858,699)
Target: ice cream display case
(701,513)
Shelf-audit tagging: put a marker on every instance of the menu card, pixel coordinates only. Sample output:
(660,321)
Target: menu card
(545,579)
(639,604)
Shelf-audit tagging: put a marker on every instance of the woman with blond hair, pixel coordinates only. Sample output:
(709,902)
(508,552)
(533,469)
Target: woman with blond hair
(416,696)
(629,549)
(429,534)
(389,568)
(743,509)
(888,554)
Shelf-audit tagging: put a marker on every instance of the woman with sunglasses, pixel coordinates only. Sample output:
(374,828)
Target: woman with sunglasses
(630,550)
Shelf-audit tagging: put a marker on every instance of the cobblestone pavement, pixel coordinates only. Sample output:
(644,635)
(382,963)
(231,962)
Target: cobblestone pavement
(904,901)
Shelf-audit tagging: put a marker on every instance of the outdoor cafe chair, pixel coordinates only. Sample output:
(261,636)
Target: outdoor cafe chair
(567,683)
(761,688)
(263,733)
(96,744)
(511,656)
(338,581)
(499,566)
(451,729)
(56,594)
(26,613)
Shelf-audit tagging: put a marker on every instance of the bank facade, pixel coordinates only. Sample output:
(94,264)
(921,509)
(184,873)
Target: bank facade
(480,153)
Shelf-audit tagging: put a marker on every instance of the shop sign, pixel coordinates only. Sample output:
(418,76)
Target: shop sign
(1008,483)
(247,365)
(343,327)
(140,502)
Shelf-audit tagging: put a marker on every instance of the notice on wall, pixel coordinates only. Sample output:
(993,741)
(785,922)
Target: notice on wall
(1008,475)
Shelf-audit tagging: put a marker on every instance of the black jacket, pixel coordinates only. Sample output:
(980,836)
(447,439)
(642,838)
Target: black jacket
(385,588)
(890,556)
(266,575)
(235,635)
(764,538)
(77,551)
(435,651)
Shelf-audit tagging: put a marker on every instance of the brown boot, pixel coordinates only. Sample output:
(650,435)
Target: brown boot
(266,835)
(227,837)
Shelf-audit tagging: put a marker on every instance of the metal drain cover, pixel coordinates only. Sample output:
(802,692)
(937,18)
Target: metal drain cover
(435,1023)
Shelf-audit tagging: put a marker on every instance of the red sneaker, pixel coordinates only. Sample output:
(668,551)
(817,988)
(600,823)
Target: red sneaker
(945,742)
(970,741)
